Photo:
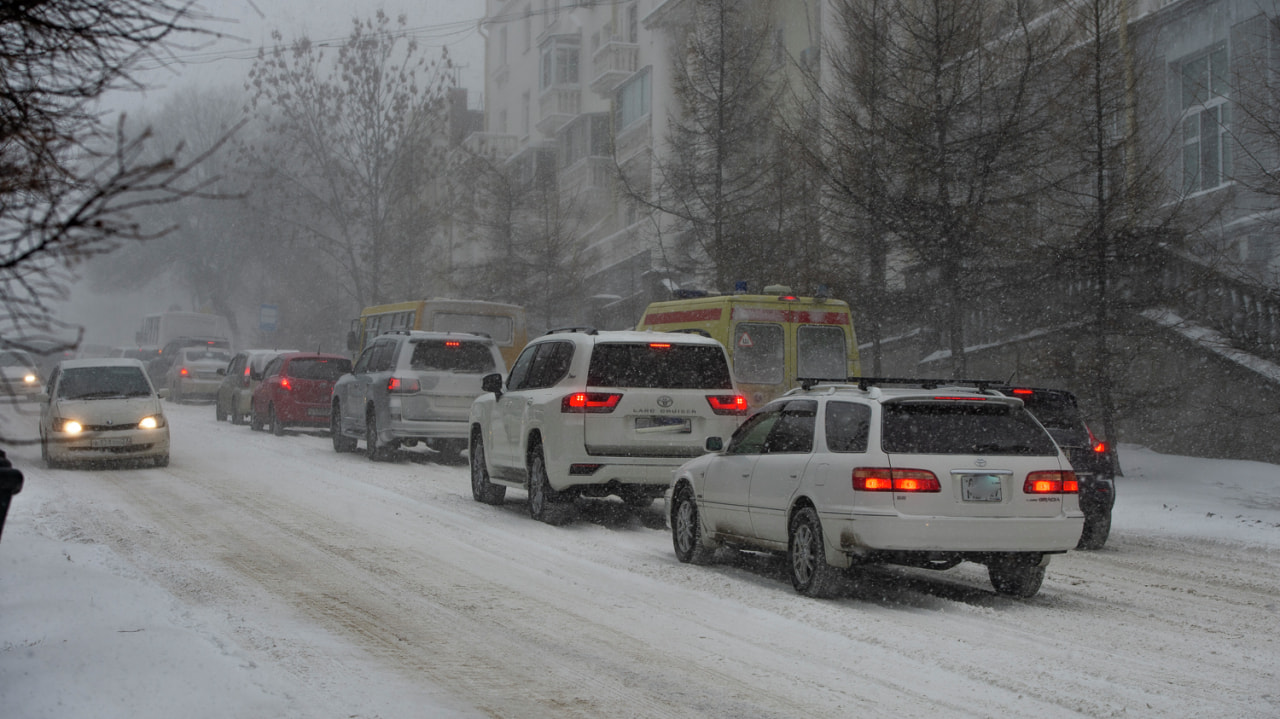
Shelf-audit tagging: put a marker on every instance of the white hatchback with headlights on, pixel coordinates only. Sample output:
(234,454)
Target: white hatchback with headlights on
(839,475)
(102,410)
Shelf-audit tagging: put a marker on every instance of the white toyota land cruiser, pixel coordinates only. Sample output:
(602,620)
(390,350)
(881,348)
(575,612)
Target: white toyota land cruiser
(592,414)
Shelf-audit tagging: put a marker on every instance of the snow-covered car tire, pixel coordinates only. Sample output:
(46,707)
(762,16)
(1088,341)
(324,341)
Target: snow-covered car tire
(482,490)
(1097,527)
(1016,575)
(806,556)
(686,529)
(341,443)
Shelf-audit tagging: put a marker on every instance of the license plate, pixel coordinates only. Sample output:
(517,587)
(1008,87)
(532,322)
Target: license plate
(317,411)
(980,487)
(110,442)
(676,425)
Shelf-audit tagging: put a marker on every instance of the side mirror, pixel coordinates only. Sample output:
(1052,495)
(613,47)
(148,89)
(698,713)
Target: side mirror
(163,393)
(492,383)
(352,341)
(714,444)
(222,371)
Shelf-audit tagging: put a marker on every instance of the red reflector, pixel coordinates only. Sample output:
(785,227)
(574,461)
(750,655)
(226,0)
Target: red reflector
(590,402)
(1051,482)
(1020,390)
(659,345)
(727,403)
(396,384)
(885,479)
(452,343)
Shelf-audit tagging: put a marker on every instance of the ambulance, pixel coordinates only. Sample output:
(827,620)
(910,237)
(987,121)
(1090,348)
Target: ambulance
(772,338)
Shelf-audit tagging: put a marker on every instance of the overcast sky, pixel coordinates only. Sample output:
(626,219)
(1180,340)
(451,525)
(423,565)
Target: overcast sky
(247,25)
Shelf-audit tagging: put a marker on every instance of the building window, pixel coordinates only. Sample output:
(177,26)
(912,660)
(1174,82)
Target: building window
(559,65)
(633,24)
(528,29)
(524,114)
(502,46)
(632,100)
(1206,117)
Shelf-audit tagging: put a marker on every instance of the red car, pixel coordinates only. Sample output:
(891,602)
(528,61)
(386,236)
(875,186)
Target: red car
(295,390)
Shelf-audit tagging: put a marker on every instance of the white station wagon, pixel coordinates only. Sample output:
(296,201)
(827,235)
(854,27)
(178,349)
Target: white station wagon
(838,475)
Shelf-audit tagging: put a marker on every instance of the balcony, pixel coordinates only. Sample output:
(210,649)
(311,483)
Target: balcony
(612,63)
(589,180)
(557,106)
(491,144)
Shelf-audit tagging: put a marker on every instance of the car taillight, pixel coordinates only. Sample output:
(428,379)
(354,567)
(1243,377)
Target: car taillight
(659,345)
(886,479)
(727,403)
(1098,445)
(452,343)
(183,371)
(244,381)
(1051,482)
(398,384)
(284,383)
(1020,391)
(590,402)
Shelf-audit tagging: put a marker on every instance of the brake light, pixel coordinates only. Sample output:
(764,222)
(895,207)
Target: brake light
(659,345)
(1098,445)
(727,403)
(397,384)
(183,371)
(452,343)
(789,298)
(1022,391)
(590,402)
(1051,482)
(284,383)
(962,399)
(886,479)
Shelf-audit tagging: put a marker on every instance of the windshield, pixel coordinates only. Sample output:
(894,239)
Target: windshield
(659,365)
(211,353)
(11,358)
(321,368)
(962,428)
(452,356)
(102,383)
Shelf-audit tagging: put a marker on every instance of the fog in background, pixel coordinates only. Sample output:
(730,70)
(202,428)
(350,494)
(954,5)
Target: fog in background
(209,62)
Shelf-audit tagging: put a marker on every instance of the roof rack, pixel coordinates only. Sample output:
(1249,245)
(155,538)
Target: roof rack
(583,329)
(924,383)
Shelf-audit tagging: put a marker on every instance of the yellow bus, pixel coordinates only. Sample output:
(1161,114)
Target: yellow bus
(504,323)
(772,338)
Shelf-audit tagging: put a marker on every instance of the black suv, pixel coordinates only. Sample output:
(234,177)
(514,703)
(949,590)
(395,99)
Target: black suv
(1094,463)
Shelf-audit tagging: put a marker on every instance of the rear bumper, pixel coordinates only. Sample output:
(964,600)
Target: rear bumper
(426,429)
(649,474)
(865,533)
(201,387)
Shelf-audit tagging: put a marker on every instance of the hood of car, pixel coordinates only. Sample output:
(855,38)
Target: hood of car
(107,411)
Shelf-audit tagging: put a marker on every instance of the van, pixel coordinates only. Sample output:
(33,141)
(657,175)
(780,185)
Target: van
(503,323)
(772,338)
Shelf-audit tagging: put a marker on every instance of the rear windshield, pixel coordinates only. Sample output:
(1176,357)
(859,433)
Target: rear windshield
(452,356)
(102,383)
(211,353)
(327,369)
(659,365)
(962,428)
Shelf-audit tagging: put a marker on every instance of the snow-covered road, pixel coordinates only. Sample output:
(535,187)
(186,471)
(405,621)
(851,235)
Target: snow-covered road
(345,588)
